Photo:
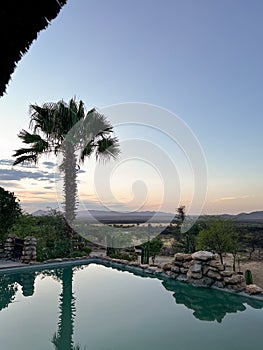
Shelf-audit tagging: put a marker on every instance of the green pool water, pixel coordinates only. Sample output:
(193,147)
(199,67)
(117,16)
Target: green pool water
(101,308)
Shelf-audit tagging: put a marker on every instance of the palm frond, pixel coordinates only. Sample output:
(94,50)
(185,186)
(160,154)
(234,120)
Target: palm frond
(87,151)
(31,158)
(30,154)
(27,137)
(107,148)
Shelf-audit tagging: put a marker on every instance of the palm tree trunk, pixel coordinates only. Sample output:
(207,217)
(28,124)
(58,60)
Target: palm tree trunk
(69,168)
(63,338)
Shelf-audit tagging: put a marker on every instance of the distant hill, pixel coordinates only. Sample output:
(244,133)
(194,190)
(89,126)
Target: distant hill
(40,213)
(124,217)
(145,216)
(255,215)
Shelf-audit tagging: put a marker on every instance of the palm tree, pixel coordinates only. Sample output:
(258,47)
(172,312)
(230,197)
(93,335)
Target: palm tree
(67,129)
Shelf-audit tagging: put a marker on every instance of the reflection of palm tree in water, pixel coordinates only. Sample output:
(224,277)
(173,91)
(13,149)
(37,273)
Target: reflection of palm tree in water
(62,339)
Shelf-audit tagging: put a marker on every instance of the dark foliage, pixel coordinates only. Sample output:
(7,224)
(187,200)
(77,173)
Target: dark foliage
(9,211)
(20,23)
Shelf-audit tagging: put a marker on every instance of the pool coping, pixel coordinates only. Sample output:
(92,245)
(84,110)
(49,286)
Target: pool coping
(132,267)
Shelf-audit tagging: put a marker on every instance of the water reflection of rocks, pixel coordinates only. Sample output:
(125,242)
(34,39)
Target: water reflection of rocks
(209,304)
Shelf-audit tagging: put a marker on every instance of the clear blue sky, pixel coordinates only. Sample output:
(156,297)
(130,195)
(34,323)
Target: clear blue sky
(202,60)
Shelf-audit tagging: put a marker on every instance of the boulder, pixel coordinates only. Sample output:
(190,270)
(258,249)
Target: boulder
(235,279)
(219,284)
(187,264)
(182,257)
(194,275)
(253,289)
(183,270)
(202,282)
(216,264)
(195,267)
(167,267)
(175,269)
(202,255)
(226,273)
(237,287)
(182,277)
(171,274)
(215,275)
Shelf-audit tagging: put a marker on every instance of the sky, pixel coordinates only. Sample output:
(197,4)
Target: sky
(189,67)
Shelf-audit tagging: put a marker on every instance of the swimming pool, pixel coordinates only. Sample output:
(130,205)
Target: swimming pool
(102,308)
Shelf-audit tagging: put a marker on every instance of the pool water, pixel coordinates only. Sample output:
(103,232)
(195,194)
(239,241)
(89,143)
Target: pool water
(94,307)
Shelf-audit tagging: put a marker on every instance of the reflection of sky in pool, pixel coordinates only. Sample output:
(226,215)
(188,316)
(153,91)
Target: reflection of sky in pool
(107,309)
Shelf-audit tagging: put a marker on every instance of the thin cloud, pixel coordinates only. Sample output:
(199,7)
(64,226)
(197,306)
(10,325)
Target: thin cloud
(10,184)
(49,165)
(6,162)
(17,175)
(230,198)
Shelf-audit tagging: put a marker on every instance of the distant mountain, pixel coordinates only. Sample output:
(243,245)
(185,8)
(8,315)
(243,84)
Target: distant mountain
(144,216)
(255,215)
(41,213)
(123,217)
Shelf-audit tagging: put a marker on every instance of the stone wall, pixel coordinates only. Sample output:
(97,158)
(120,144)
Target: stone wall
(8,247)
(28,252)
(203,269)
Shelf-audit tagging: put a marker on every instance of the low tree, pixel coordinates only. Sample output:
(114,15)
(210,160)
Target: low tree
(151,249)
(184,242)
(10,210)
(217,235)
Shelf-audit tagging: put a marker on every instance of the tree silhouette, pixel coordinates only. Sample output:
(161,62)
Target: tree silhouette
(67,129)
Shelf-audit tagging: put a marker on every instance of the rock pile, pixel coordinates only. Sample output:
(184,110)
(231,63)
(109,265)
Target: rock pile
(8,249)
(29,251)
(27,246)
(203,269)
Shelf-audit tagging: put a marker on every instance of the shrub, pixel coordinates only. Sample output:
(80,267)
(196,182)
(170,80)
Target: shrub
(248,277)
(9,211)
(124,256)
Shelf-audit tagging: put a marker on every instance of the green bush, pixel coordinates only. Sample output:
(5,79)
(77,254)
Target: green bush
(124,256)
(10,211)
(248,277)
(79,253)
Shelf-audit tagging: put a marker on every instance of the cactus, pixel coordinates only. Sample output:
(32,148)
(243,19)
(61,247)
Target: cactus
(248,277)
